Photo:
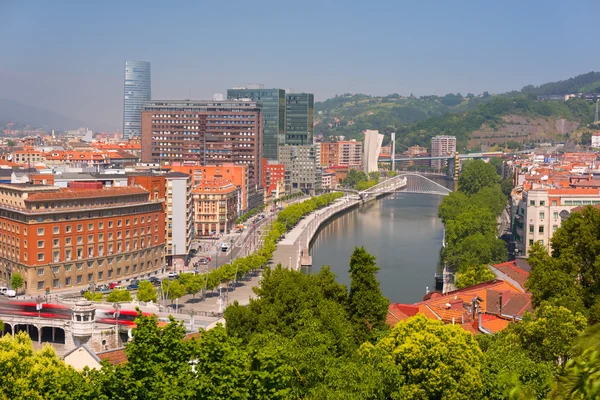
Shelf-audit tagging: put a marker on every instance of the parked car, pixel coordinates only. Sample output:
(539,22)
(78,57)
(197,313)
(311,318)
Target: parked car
(3,290)
(203,261)
(10,293)
(133,286)
(102,289)
(224,247)
(154,280)
(173,275)
(112,285)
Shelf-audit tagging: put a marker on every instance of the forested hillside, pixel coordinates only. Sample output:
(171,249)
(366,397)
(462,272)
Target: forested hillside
(506,120)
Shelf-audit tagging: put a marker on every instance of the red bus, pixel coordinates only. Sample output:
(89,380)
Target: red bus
(125,317)
(29,309)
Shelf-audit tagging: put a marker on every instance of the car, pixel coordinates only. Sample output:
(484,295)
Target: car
(10,293)
(104,289)
(172,275)
(154,279)
(3,290)
(112,285)
(203,261)
(133,286)
(118,287)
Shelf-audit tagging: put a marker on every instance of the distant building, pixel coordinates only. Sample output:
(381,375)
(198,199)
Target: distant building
(302,167)
(596,140)
(273,173)
(299,126)
(343,153)
(372,149)
(215,209)
(442,146)
(206,132)
(328,180)
(273,110)
(180,217)
(138,89)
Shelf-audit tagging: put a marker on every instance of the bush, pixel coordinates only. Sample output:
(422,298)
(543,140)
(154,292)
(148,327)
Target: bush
(120,295)
(93,296)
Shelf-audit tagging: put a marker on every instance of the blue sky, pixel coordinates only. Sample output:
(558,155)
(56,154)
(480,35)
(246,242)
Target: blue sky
(68,56)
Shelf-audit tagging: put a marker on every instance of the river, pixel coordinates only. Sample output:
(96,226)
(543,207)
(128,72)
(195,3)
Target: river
(401,230)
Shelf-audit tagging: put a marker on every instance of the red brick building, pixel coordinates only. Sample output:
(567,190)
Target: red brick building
(66,238)
(271,175)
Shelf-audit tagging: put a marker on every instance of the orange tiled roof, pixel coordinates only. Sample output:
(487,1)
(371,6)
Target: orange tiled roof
(493,323)
(215,185)
(575,191)
(115,357)
(66,193)
(511,270)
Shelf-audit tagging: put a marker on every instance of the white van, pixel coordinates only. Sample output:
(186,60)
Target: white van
(10,293)
(3,290)
(224,247)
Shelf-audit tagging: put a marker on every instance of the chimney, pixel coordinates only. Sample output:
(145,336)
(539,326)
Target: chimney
(500,304)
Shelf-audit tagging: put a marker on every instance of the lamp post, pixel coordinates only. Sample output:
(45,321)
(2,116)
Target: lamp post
(117,307)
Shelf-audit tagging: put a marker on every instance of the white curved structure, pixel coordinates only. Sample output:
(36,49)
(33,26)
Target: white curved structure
(372,148)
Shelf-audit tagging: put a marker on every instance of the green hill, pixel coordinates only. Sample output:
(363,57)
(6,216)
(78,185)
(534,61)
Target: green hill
(507,119)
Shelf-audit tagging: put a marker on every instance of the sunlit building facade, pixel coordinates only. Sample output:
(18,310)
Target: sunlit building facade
(138,89)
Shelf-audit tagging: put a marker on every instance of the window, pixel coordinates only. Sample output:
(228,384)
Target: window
(110,274)
(100,273)
(40,256)
(56,230)
(554,203)
(55,242)
(531,228)
(532,203)
(79,279)
(110,236)
(90,227)
(40,285)
(119,271)
(90,238)
(555,215)
(542,215)
(100,225)
(79,266)
(101,236)
(126,270)
(68,229)
(90,277)
(542,203)
(55,270)
(40,231)
(68,255)
(119,223)
(68,267)
(40,244)
(110,224)
(127,221)
(142,220)
(554,228)
(541,229)
(55,283)
(79,239)
(40,271)
(80,228)
(531,242)
(68,281)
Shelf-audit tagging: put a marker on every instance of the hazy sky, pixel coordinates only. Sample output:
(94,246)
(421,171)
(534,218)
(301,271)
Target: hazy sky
(68,56)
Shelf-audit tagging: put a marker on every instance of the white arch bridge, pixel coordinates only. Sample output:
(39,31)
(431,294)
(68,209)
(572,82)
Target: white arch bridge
(407,183)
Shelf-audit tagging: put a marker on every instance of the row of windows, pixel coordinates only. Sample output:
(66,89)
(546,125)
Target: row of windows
(541,228)
(79,253)
(90,226)
(234,116)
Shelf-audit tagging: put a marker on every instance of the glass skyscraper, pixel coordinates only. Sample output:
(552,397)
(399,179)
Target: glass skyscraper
(273,110)
(299,127)
(137,90)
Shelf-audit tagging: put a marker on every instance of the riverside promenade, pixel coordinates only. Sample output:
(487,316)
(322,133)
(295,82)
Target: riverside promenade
(295,245)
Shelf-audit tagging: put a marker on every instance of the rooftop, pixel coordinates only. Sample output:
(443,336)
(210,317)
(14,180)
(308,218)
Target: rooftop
(70,194)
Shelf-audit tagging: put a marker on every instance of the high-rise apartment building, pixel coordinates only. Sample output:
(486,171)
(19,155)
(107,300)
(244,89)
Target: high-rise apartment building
(442,146)
(138,89)
(372,149)
(302,168)
(206,132)
(299,117)
(345,153)
(67,238)
(179,209)
(273,111)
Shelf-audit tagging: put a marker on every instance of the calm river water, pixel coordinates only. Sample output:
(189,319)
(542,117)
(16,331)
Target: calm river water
(401,230)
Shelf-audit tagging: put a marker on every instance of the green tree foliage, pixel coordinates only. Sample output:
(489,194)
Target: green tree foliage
(353,178)
(492,198)
(571,276)
(29,374)
(95,296)
(476,175)
(367,307)
(426,359)
(120,295)
(146,292)
(586,138)
(506,186)
(471,221)
(473,274)
(16,281)
(173,289)
(453,205)
(475,249)
(584,83)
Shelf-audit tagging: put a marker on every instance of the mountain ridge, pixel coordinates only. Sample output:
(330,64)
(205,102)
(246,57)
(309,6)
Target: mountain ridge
(36,117)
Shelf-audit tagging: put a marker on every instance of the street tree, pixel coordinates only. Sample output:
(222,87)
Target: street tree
(469,222)
(426,359)
(475,175)
(195,284)
(16,281)
(146,292)
(470,275)
(367,307)
(120,295)
(93,296)
(492,198)
(453,205)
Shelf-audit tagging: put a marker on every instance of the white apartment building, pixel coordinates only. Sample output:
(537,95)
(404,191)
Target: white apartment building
(540,213)
(180,217)
(442,146)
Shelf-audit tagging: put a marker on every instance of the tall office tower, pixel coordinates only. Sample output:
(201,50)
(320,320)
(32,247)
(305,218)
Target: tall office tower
(206,132)
(273,111)
(373,141)
(302,169)
(138,89)
(442,146)
(299,126)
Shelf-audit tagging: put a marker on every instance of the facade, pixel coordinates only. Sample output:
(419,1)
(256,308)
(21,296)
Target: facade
(299,117)
(442,146)
(596,140)
(138,89)
(273,173)
(66,238)
(206,132)
(302,168)
(343,153)
(179,217)
(215,207)
(236,174)
(373,141)
(328,180)
(540,212)
(273,111)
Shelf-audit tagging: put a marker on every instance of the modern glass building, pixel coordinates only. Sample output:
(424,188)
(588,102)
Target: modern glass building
(273,110)
(300,108)
(137,90)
